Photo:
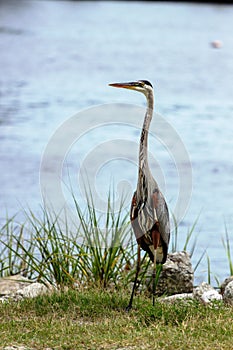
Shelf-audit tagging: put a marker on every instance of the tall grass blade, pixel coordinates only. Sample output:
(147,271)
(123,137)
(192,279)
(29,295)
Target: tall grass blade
(227,247)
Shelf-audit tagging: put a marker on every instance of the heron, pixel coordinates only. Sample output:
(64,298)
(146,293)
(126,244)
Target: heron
(149,214)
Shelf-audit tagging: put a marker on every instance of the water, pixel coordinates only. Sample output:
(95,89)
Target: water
(57,58)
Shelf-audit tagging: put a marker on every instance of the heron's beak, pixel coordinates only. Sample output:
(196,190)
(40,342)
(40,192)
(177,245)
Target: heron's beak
(131,86)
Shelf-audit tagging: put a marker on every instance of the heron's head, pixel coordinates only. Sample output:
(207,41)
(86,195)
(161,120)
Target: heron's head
(143,86)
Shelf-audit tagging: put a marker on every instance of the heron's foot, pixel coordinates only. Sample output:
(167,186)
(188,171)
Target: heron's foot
(128,308)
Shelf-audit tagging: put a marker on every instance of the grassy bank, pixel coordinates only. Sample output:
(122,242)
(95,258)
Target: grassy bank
(99,253)
(95,319)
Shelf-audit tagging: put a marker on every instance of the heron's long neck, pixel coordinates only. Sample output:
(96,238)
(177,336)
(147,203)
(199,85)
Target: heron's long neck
(143,150)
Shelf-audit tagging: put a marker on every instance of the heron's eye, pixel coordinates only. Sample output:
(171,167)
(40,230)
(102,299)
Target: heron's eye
(145,82)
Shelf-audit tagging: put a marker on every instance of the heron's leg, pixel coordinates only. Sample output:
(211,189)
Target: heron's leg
(153,276)
(136,278)
(155,239)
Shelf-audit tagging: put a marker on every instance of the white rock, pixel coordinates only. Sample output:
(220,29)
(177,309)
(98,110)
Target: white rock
(206,294)
(210,296)
(9,285)
(182,296)
(33,290)
(228,294)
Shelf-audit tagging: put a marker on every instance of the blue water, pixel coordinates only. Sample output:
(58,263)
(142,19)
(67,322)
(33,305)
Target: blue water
(57,58)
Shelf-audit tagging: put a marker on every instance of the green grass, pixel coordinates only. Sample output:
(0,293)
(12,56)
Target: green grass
(94,318)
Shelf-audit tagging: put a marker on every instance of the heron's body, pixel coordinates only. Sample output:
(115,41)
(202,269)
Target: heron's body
(149,213)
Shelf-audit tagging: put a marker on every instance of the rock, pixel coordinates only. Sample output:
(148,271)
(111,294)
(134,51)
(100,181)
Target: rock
(15,288)
(33,290)
(6,298)
(206,294)
(176,276)
(201,289)
(210,295)
(9,285)
(182,296)
(228,294)
(225,283)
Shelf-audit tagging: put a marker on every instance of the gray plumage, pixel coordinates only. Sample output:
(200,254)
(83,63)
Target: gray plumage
(149,213)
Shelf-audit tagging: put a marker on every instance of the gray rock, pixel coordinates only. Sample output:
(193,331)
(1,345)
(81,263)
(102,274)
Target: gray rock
(176,276)
(225,283)
(201,289)
(228,294)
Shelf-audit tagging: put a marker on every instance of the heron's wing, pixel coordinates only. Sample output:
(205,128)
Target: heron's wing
(137,215)
(150,213)
(160,215)
(164,223)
